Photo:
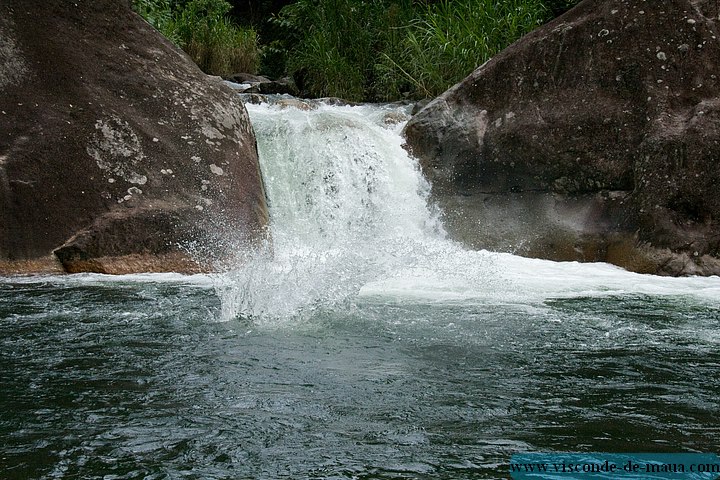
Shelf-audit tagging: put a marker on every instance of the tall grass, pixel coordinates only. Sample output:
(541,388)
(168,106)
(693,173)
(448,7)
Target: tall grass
(354,49)
(213,41)
(381,50)
(451,38)
(203,29)
(335,44)
(159,14)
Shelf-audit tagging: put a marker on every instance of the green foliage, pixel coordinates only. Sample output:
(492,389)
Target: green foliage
(203,30)
(354,49)
(335,44)
(451,38)
(385,50)
(159,14)
(213,41)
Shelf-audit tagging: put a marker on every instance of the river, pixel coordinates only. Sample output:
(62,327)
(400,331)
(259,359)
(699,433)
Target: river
(359,343)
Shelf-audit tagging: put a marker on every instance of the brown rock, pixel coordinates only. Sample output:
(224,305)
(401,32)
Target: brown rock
(599,129)
(116,152)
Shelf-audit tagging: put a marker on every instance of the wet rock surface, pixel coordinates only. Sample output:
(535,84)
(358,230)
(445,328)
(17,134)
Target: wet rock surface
(255,84)
(117,154)
(594,138)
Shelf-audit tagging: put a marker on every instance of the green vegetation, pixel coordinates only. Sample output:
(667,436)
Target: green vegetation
(354,49)
(159,14)
(385,50)
(203,29)
(336,46)
(452,38)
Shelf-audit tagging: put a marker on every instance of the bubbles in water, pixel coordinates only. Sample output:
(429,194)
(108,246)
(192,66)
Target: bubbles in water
(350,218)
(347,205)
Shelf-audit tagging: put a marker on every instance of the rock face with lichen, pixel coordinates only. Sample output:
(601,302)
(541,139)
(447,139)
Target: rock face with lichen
(594,138)
(117,154)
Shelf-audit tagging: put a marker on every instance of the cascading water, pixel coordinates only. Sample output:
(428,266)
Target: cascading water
(358,343)
(348,206)
(350,220)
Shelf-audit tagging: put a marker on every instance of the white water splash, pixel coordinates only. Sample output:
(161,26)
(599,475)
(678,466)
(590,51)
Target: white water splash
(347,206)
(349,219)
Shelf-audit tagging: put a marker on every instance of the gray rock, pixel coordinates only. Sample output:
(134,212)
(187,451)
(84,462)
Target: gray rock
(254,84)
(246,78)
(283,86)
(116,152)
(594,138)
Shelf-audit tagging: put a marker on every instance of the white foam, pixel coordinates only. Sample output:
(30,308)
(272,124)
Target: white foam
(521,280)
(349,217)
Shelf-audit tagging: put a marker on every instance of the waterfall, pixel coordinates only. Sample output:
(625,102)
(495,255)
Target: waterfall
(349,219)
(348,205)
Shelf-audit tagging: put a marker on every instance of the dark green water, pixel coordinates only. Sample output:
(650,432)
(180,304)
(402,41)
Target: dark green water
(362,345)
(138,380)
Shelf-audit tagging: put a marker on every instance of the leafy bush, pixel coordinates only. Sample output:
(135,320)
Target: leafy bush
(354,49)
(380,50)
(203,30)
(159,14)
(335,44)
(452,38)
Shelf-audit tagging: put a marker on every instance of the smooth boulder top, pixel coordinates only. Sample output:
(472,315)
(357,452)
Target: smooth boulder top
(117,154)
(595,138)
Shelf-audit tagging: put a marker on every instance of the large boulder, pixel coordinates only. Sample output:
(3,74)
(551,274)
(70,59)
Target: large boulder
(117,154)
(594,138)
